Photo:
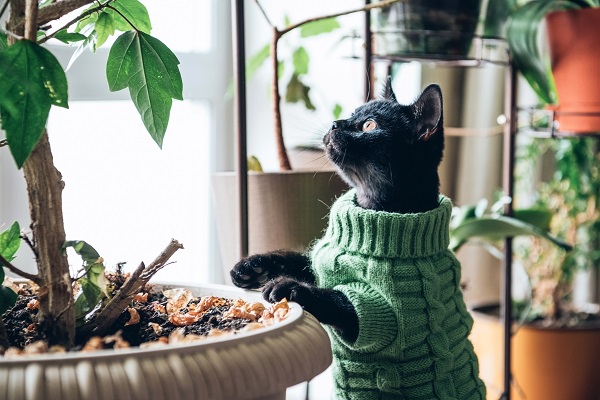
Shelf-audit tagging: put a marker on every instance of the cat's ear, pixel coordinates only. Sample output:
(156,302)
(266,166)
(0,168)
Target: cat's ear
(388,93)
(427,110)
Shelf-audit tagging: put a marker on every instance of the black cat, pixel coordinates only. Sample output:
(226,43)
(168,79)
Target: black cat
(383,268)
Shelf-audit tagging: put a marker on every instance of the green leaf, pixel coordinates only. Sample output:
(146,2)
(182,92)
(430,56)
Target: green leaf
(3,41)
(497,14)
(300,59)
(337,111)
(68,37)
(319,27)
(93,264)
(10,241)
(86,251)
(523,30)
(130,12)
(254,164)
(87,21)
(150,70)
(257,60)
(8,298)
(296,91)
(38,83)
(89,42)
(105,27)
(540,217)
(87,300)
(497,228)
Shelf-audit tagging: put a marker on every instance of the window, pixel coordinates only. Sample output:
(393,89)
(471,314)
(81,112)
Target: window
(124,195)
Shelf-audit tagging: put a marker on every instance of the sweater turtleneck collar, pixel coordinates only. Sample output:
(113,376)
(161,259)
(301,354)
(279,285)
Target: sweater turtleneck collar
(384,234)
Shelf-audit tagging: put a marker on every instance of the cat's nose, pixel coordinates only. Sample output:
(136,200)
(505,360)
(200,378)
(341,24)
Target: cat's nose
(334,125)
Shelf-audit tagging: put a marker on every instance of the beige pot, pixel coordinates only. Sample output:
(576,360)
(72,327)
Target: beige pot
(259,364)
(547,364)
(286,210)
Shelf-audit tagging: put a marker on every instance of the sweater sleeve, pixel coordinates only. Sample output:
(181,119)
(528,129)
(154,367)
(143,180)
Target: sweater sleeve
(377,323)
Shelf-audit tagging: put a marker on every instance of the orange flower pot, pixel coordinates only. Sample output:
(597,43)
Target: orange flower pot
(547,364)
(574,43)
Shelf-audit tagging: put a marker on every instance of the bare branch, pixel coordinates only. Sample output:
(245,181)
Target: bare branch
(262,10)
(105,318)
(55,11)
(3,142)
(4,262)
(368,7)
(71,22)
(30,244)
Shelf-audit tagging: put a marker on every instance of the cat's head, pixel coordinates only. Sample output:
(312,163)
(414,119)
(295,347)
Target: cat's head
(390,152)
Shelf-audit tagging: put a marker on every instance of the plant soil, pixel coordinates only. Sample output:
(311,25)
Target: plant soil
(145,322)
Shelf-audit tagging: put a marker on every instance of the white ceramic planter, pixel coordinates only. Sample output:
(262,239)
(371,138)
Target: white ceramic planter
(259,364)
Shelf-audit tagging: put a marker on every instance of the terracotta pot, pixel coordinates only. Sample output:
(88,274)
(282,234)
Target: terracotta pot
(286,210)
(259,364)
(575,59)
(547,364)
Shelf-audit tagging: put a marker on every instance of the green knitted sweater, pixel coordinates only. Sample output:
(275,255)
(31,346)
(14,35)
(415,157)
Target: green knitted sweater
(403,282)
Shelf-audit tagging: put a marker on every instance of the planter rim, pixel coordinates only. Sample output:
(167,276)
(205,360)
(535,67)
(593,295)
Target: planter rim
(272,173)
(295,316)
(477,309)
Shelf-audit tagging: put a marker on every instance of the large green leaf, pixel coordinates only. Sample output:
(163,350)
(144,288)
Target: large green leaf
(319,27)
(497,13)
(32,80)
(523,32)
(10,241)
(497,228)
(150,70)
(3,41)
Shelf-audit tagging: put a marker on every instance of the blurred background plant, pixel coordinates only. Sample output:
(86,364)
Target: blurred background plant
(571,194)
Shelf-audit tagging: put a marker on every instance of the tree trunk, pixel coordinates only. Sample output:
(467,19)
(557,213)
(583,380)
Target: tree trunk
(44,188)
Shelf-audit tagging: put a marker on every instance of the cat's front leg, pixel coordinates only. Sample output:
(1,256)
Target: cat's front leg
(329,306)
(254,271)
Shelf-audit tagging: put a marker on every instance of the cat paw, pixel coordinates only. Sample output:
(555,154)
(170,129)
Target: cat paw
(250,273)
(291,289)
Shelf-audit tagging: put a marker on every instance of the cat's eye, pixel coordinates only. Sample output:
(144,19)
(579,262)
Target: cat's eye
(369,125)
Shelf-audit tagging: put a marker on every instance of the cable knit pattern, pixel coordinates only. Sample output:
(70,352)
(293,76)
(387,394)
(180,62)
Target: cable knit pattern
(403,282)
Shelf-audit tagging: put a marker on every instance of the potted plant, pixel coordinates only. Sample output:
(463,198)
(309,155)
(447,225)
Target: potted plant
(565,76)
(31,81)
(552,334)
(434,28)
(286,208)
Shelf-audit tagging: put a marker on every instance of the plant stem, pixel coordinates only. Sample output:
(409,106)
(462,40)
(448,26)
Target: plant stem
(71,22)
(284,161)
(5,263)
(50,13)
